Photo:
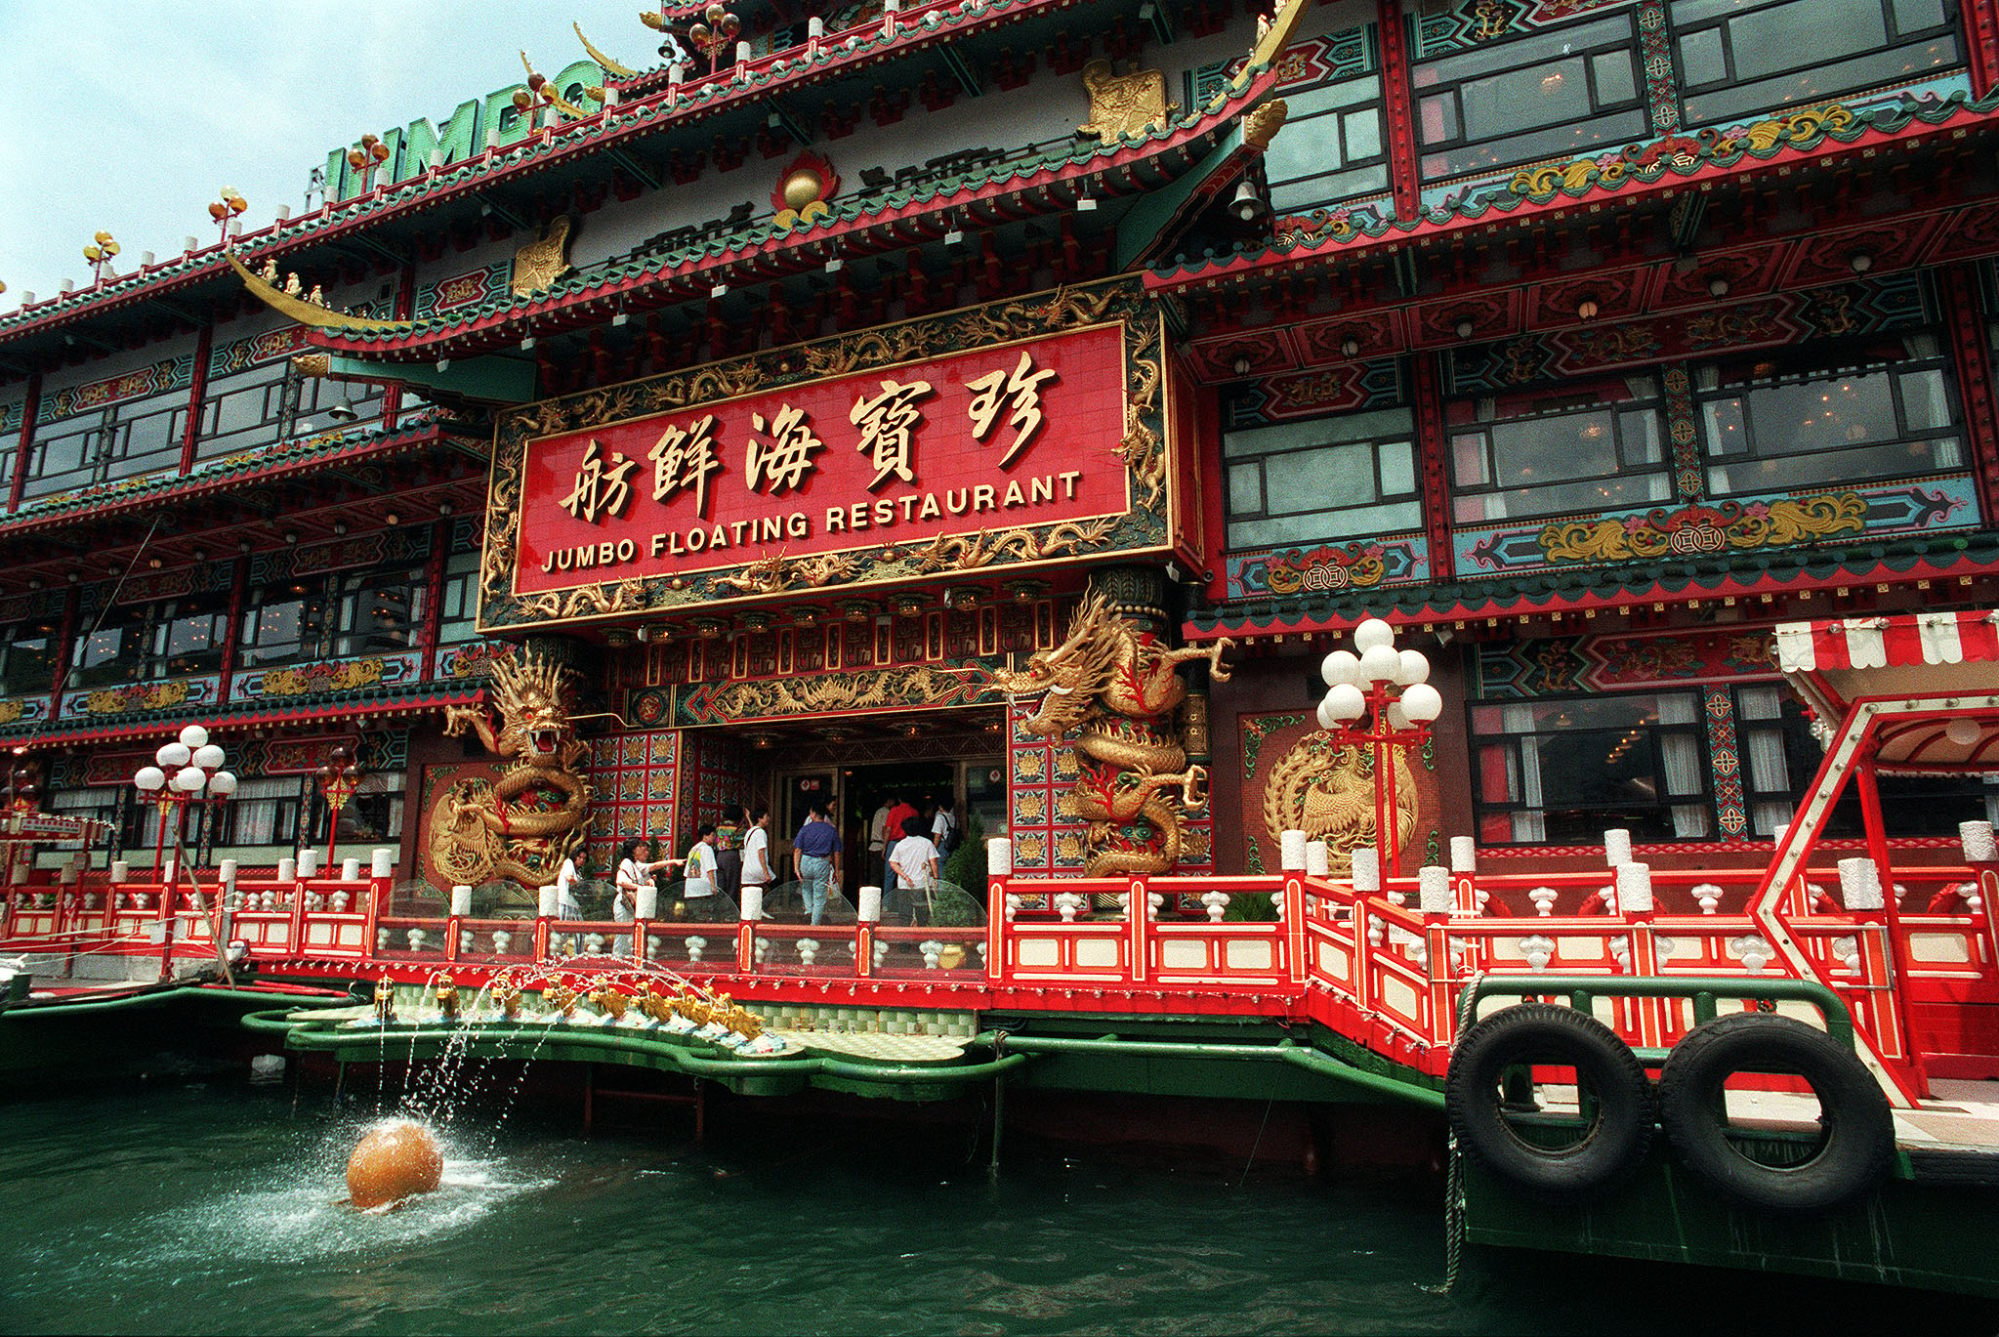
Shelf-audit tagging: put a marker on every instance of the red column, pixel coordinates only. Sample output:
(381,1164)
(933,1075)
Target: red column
(31,406)
(1399,106)
(1971,357)
(1981,43)
(1426,393)
(204,348)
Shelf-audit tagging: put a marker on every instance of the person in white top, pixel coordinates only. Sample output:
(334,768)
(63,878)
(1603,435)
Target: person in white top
(915,861)
(756,850)
(944,827)
(635,869)
(566,904)
(701,865)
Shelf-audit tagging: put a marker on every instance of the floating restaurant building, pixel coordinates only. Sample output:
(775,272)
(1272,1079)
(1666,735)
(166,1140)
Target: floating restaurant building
(1021,402)
(785,389)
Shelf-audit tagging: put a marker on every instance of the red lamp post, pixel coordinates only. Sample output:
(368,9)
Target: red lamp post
(188,771)
(339,777)
(1381,699)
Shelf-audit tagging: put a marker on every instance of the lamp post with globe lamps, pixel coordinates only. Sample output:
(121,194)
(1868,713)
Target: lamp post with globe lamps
(186,771)
(339,776)
(1380,698)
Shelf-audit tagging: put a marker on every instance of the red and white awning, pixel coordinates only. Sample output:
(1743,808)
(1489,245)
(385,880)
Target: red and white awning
(1889,642)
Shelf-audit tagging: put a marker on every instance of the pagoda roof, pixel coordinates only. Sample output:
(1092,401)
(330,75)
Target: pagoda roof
(742,92)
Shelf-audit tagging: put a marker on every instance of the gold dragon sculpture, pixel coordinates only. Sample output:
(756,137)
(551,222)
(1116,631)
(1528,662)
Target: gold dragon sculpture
(521,826)
(1116,688)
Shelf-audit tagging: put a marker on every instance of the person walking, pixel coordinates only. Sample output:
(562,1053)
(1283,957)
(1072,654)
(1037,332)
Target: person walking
(897,817)
(945,833)
(915,861)
(756,852)
(816,852)
(878,843)
(635,869)
(728,875)
(701,871)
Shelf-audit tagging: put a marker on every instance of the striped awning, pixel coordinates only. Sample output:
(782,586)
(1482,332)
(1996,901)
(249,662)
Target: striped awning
(1889,642)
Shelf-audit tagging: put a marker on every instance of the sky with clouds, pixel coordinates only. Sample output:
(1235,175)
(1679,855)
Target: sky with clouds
(131,115)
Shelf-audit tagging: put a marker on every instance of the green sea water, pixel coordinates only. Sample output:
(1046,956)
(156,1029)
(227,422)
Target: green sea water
(212,1208)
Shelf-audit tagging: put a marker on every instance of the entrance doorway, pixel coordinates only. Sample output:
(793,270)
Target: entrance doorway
(855,765)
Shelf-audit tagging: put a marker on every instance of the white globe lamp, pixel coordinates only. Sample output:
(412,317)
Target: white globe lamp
(208,756)
(1380,663)
(1340,666)
(190,779)
(222,784)
(149,779)
(1415,668)
(173,756)
(1422,702)
(1371,633)
(1345,702)
(193,736)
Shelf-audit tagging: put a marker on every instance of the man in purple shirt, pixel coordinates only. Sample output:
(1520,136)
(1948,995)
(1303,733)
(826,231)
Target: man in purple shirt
(816,848)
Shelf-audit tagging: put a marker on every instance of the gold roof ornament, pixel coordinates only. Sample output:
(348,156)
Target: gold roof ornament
(305,311)
(1263,122)
(539,263)
(1124,104)
(610,67)
(540,85)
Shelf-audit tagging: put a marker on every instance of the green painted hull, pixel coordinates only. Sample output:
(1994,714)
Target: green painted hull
(1911,1232)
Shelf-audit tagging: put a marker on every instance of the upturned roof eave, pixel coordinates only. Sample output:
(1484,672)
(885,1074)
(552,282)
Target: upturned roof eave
(1192,136)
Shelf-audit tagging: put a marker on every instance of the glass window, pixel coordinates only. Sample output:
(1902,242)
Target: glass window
(139,642)
(27,659)
(1565,771)
(1529,454)
(1322,479)
(1554,94)
(264,812)
(65,455)
(460,608)
(249,409)
(332,617)
(1741,58)
(1780,755)
(1828,415)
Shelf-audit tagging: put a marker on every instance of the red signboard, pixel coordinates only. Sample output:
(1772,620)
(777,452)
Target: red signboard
(997,438)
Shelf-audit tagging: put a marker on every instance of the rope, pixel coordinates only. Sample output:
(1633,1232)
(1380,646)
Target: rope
(1254,1146)
(1454,1185)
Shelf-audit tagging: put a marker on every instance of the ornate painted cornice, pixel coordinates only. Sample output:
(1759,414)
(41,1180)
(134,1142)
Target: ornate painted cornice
(1597,589)
(1653,168)
(260,714)
(688,273)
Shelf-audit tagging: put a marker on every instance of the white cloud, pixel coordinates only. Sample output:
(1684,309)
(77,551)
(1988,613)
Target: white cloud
(129,115)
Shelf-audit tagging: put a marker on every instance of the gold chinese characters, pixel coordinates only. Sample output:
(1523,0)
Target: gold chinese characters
(783,451)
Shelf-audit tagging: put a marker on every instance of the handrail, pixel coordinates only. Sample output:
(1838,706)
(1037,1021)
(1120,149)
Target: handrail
(1701,990)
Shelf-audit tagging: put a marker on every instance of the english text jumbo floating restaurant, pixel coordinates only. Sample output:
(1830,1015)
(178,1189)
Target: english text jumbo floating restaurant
(1340,519)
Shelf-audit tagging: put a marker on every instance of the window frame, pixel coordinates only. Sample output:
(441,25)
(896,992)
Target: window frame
(1576,402)
(1373,442)
(1453,152)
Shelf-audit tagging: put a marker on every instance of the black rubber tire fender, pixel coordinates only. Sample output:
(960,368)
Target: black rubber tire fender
(1859,1149)
(1547,1035)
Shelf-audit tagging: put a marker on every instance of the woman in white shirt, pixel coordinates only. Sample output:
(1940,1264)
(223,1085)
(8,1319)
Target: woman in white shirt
(635,869)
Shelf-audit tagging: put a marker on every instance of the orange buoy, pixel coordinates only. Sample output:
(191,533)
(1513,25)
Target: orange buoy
(393,1162)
